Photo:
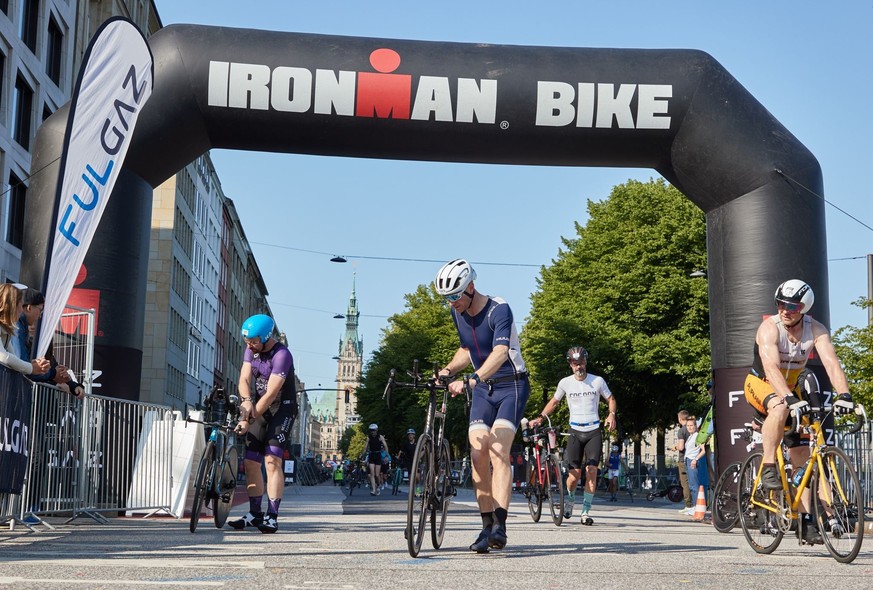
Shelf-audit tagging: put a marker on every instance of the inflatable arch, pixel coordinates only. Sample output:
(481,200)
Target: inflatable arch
(676,111)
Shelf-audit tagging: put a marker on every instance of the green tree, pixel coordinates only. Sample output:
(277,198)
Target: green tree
(423,331)
(854,347)
(621,289)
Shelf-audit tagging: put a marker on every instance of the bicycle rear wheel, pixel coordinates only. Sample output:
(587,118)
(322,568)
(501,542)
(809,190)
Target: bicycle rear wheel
(202,483)
(420,491)
(226,487)
(442,495)
(839,506)
(534,491)
(554,488)
(725,512)
(761,527)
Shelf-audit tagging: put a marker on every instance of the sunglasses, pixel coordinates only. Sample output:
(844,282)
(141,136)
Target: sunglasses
(455,296)
(791,307)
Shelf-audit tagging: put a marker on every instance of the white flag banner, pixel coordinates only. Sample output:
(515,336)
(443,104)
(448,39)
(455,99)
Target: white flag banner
(114,83)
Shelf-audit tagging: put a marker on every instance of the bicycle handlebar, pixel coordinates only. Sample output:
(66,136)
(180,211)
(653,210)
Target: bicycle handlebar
(859,418)
(433,383)
(219,425)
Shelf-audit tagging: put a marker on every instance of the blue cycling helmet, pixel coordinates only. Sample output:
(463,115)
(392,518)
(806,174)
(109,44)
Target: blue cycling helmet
(258,326)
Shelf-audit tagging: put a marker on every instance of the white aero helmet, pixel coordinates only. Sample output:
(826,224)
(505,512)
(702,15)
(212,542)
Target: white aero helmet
(795,295)
(454,277)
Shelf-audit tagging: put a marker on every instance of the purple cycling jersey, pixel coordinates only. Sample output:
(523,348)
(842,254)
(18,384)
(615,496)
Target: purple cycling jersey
(276,361)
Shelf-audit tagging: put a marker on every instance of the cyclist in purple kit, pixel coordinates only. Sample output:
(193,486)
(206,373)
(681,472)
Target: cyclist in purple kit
(267,414)
(500,390)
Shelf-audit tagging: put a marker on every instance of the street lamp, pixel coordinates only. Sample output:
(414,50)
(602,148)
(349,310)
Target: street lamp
(698,274)
(339,316)
(339,259)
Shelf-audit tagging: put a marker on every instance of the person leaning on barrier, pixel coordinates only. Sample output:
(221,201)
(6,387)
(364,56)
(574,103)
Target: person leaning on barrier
(775,384)
(11,354)
(33,303)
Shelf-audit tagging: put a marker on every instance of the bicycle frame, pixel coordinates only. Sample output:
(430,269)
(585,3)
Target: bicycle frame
(431,485)
(542,442)
(217,471)
(836,498)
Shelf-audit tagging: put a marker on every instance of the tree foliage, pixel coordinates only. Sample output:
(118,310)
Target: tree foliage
(854,347)
(423,331)
(621,288)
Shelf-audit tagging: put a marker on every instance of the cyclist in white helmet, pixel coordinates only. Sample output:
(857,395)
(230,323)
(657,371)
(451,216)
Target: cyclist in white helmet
(489,342)
(773,387)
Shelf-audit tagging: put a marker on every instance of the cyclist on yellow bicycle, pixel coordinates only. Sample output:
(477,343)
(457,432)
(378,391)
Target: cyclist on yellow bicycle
(774,387)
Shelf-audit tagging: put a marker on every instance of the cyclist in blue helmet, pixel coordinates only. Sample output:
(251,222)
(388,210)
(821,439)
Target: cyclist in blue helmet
(267,413)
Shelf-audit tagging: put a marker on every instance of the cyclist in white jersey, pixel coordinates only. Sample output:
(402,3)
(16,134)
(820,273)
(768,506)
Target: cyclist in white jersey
(584,447)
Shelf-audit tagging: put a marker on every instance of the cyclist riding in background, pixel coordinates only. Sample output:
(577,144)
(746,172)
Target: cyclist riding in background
(500,386)
(585,444)
(774,387)
(267,414)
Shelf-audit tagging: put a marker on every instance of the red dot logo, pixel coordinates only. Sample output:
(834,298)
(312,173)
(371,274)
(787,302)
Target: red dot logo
(385,60)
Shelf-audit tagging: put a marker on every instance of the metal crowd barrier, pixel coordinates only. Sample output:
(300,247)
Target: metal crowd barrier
(858,447)
(92,456)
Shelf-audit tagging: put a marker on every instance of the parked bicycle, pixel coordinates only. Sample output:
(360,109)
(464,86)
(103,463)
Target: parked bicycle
(836,495)
(215,482)
(543,480)
(431,486)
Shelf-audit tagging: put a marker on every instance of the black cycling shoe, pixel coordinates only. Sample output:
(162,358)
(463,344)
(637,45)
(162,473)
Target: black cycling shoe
(811,536)
(481,543)
(770,479)
(249,520)
(497,538)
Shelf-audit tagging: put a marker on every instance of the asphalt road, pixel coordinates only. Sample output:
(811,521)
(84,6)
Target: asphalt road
(328,540)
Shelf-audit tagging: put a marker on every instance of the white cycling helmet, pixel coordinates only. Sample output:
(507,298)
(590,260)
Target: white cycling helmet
(795,293)
(454,277)
(374,426)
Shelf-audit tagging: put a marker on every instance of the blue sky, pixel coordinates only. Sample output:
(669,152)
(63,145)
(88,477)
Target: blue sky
(809,63)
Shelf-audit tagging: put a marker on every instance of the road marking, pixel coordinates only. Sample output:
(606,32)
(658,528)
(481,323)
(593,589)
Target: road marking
(116,562)
(110,583)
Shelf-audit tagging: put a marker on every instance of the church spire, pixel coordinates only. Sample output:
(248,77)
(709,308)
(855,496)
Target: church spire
(352,315)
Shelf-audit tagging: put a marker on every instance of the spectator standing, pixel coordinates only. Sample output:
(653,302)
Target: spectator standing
(681,436)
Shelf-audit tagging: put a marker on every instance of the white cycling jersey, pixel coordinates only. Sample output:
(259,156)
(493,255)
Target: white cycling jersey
(583,398)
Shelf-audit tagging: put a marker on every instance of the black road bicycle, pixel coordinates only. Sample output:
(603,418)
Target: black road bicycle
(215,482)
(431,486)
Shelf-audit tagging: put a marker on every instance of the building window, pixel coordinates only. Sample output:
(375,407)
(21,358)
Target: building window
(4,6)
(54,51)
(15,212)
(22,112)
(29,23)
(193,358)
(196,311)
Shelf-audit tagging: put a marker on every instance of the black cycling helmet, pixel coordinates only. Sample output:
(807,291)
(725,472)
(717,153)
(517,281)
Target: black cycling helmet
(577,353)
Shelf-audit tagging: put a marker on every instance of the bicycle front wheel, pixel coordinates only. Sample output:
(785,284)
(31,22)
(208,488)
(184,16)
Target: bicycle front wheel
(839,505)
(225,487)
(534,491)
(442,495)
(554,490)
(202,483)
(761,527)
(420,491)
(725,512)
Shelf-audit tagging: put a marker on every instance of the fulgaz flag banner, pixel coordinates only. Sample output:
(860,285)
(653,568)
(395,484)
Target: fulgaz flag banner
(114,83)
